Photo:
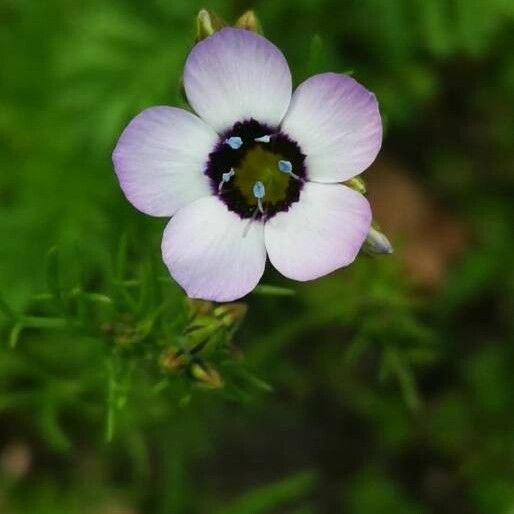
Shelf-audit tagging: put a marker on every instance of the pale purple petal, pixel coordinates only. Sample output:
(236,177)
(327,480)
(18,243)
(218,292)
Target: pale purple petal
(235,75)
(337,124)
(212,253)
(320,233)
(160,159)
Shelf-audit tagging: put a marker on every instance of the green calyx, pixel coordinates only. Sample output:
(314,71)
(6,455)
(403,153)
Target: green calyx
(208,22)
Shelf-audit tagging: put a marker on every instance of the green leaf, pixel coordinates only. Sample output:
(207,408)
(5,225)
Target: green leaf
(52,274)
(395,363)
(8,312)
(267,290)
(266,499)
(14,335)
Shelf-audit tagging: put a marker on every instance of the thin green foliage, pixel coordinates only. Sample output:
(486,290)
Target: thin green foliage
(122,396)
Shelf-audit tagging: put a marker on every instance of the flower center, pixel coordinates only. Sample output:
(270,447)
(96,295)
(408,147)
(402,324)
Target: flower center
(256,170)
(261,165)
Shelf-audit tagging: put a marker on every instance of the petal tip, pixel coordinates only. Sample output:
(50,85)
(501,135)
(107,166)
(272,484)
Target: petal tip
(234,75)
(203,249)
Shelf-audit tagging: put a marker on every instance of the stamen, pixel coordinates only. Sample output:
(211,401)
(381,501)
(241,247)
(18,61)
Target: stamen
(263,139)
(287,167)
(259,191)
(235,142)
(225,178)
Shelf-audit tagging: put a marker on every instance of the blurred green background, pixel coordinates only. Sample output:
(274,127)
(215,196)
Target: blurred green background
(386,387)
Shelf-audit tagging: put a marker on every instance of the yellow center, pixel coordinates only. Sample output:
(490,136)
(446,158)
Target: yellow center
(261,165)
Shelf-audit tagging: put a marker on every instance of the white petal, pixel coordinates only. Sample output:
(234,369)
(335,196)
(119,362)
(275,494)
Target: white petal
(337,124)
(235,75)
(160,160)
(320,233)
(212,253)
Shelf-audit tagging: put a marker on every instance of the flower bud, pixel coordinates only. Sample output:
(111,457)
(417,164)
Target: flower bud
(357,184)
(172,359)
(207,375)
(249,21)
(207,23)
(201,333)
(231,314)
(376,243)
(197,307)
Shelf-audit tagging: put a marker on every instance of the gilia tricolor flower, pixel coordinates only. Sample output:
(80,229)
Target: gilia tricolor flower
(257,171)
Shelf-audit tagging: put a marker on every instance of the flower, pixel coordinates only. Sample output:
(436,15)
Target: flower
(256,172)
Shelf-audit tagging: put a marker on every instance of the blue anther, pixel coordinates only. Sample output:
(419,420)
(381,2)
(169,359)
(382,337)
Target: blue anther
(285,166)
(263,139)
(235,142)
(259,190)
(225,177)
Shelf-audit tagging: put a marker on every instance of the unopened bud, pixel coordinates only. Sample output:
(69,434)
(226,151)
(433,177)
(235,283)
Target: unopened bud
(203,322)
(172,359)
(249,21)
(376,243)
(357,184)
(199,307)
(207,23)
(208,376)
(231,314)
